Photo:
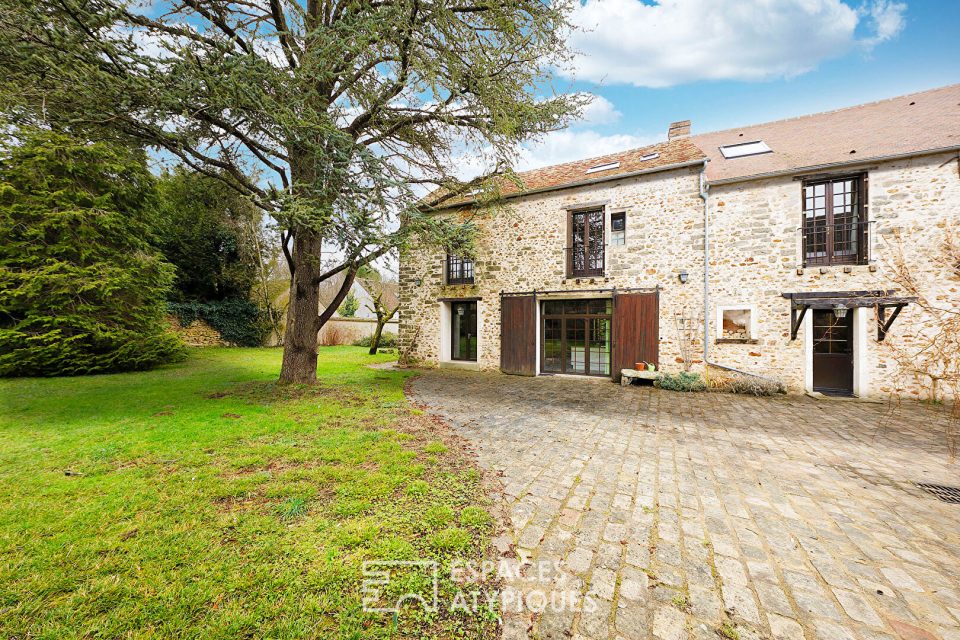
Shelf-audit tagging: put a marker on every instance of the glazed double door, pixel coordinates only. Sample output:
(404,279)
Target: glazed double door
(576,345)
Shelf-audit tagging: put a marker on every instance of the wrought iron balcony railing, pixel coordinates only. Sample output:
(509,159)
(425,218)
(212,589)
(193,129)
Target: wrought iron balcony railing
(843,243)
(583,263)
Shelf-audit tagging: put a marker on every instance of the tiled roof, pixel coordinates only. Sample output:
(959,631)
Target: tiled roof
(906,125)
(909,124)
(672,153)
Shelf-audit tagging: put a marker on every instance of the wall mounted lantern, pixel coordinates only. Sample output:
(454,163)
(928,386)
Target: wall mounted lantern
(683,276)
(839,311)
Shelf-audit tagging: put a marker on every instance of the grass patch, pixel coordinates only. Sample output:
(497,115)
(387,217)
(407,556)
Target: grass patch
(203,500)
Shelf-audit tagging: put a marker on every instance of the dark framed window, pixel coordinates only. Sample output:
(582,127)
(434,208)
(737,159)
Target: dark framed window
(835,226)
(585,253)
(459,270)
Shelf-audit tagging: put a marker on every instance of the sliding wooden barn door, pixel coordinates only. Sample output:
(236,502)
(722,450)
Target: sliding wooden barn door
(636,330)
(518,335)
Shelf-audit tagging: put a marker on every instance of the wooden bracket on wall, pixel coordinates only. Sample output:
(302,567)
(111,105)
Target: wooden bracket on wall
(883,322)
(832,300)
(796,319)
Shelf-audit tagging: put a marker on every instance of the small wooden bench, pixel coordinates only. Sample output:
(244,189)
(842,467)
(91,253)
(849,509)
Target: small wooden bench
(627,376)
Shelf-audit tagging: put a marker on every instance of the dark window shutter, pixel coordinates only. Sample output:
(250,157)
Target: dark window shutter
(636,330)
(518,335)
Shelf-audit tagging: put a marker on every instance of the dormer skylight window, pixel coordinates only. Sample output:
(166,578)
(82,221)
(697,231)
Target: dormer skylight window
(649,156)
(607,166)
(744,149)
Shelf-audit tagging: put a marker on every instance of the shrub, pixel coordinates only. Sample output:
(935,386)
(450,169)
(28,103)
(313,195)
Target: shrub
(332,335)
(81,289)
(727,381)
(239,322)
(683,381)
(388,340)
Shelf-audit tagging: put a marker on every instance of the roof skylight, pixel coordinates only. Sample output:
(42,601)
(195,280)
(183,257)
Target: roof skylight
(604,167)
(744,149)
(650,156)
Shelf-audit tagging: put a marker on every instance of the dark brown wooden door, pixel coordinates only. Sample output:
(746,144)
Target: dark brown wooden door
(832,353)
(636,330)
(518,335)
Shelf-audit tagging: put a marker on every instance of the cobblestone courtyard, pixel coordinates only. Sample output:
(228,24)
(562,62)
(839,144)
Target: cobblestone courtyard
(712,515)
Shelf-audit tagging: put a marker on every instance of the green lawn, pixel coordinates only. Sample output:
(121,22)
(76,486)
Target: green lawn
(200,500)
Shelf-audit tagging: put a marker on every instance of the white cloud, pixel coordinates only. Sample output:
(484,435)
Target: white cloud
(600,111)
(886,19)
(677,41)
(567,145)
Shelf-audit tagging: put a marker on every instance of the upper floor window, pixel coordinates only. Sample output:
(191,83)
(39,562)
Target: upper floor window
(585,255)
(459,270)
(618,228)
(835,222)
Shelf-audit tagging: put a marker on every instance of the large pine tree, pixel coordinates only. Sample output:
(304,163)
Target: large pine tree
(81,289)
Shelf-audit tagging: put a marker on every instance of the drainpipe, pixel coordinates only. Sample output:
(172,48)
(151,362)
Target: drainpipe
(704,195)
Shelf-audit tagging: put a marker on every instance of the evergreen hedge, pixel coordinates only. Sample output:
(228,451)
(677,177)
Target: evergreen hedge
(81,290)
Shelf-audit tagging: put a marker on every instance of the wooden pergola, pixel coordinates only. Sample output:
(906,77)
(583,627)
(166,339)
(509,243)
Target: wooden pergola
(881,300)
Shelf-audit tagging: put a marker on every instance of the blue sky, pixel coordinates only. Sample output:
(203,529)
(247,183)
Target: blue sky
(725,63)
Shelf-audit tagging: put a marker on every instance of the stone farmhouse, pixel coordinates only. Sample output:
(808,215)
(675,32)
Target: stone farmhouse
(771,249)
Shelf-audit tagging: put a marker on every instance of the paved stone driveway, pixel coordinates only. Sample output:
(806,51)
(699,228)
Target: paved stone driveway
(710,515)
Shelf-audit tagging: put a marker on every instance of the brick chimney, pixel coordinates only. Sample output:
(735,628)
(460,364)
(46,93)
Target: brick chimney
(678,130)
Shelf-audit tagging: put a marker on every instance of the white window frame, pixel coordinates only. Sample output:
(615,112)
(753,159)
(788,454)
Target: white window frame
(752,308)
(609,222)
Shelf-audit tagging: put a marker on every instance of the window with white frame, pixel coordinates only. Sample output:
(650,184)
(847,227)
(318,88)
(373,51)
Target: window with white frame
(737,322)
(618,228)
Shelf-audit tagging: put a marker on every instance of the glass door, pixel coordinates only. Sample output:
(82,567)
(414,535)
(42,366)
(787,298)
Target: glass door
(464,331)
(575,353)
(576,337)
(552,347)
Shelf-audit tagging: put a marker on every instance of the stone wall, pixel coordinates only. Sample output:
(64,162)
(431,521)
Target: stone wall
(754,258)
(756,254)
(197,334)
(521,248)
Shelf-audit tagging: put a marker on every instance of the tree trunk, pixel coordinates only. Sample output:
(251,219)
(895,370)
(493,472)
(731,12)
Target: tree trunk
(300,340)
(375,342)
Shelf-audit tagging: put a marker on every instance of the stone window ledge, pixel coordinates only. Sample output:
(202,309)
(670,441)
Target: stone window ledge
(737,341)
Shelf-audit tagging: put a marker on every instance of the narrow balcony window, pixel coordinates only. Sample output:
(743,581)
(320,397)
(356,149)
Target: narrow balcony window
(459,270)
(585,255)
(835,227)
